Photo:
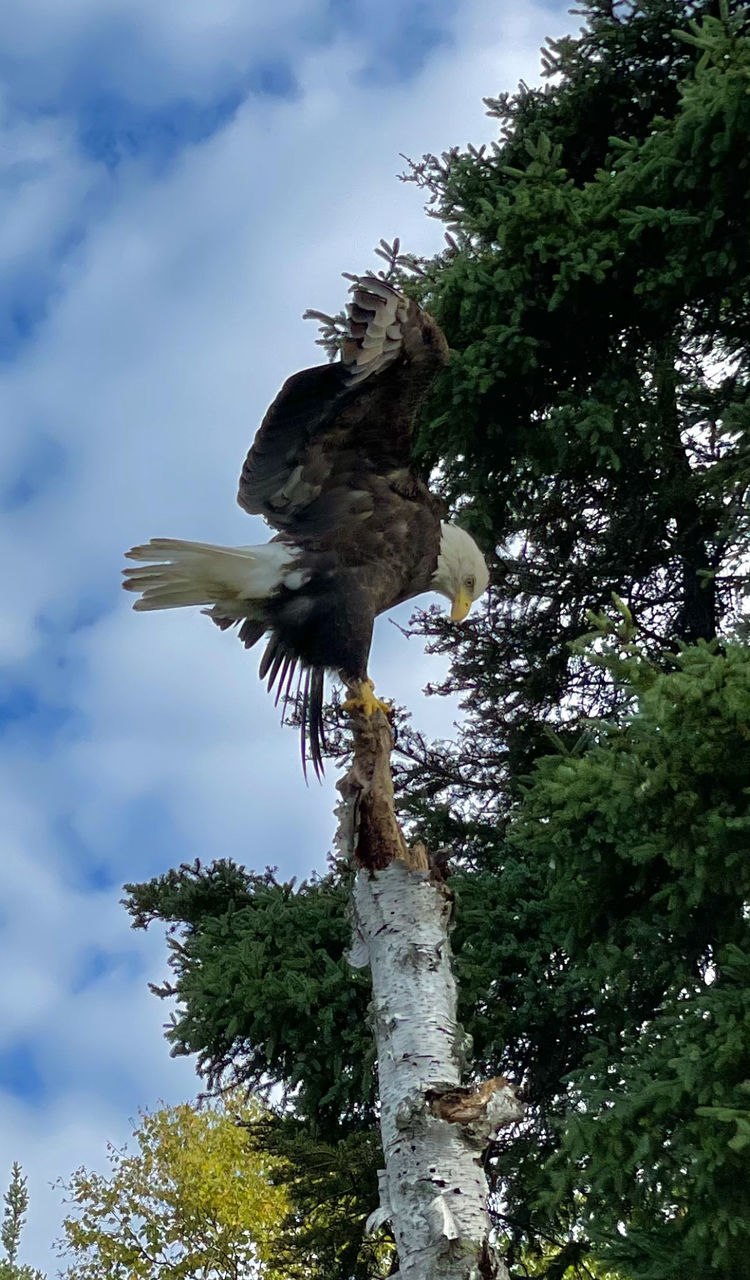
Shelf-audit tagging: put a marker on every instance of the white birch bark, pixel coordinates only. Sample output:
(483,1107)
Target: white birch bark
(433,1189)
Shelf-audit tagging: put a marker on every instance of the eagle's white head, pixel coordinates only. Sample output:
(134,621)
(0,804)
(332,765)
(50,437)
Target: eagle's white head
(461,572)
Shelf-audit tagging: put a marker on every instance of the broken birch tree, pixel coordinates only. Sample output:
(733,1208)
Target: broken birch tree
(433,1190)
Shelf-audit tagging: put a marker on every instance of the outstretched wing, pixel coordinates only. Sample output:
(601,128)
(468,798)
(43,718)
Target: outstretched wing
(337,437)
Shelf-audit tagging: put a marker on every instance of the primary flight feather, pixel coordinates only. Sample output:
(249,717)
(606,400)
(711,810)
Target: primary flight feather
(358,530)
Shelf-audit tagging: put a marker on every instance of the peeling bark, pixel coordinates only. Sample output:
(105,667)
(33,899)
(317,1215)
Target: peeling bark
(433,1190)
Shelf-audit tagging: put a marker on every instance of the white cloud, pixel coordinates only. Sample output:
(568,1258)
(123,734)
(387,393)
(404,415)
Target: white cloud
(147,52)
(48,179)
(176,321)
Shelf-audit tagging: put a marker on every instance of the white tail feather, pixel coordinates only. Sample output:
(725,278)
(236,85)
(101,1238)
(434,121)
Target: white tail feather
(201,573)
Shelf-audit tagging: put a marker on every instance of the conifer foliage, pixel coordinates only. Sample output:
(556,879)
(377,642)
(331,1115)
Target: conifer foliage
(16,1201)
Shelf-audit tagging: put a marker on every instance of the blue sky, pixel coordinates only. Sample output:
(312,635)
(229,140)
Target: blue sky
(179,180)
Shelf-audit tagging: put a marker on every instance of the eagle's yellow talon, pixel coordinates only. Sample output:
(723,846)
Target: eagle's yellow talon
(364,700)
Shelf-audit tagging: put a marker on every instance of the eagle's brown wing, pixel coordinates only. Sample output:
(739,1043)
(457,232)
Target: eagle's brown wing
(336,440)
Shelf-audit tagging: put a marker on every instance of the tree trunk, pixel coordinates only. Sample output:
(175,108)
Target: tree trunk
(693,526)
(433,1190)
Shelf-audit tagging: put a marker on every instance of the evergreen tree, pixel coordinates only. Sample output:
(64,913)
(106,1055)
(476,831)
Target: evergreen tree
(592,428)
(16,1200)
(595,408)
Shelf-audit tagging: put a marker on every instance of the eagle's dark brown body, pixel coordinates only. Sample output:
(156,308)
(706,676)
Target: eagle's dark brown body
(330,468)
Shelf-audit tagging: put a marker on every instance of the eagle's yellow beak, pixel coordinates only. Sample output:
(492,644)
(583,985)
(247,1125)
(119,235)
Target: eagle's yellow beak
(462,602)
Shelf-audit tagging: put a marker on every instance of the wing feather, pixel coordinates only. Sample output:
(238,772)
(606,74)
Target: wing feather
(335,431)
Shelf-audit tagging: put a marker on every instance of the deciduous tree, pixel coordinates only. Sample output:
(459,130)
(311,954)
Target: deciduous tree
(194,1199)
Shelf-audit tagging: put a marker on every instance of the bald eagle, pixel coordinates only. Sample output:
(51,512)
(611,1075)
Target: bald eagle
(358,530)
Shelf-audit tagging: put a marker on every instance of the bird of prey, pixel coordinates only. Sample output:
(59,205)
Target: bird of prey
(358,530)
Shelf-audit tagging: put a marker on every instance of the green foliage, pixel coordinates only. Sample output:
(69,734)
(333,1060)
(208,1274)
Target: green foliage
(595,411)
(265,987)
(16,1200)
(195,1200)
(12,1271)
(646,836)
(333,1188)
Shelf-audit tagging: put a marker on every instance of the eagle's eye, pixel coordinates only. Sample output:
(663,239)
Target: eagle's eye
(470,583)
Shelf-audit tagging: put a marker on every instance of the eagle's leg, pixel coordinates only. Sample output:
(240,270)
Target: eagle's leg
(362,698)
